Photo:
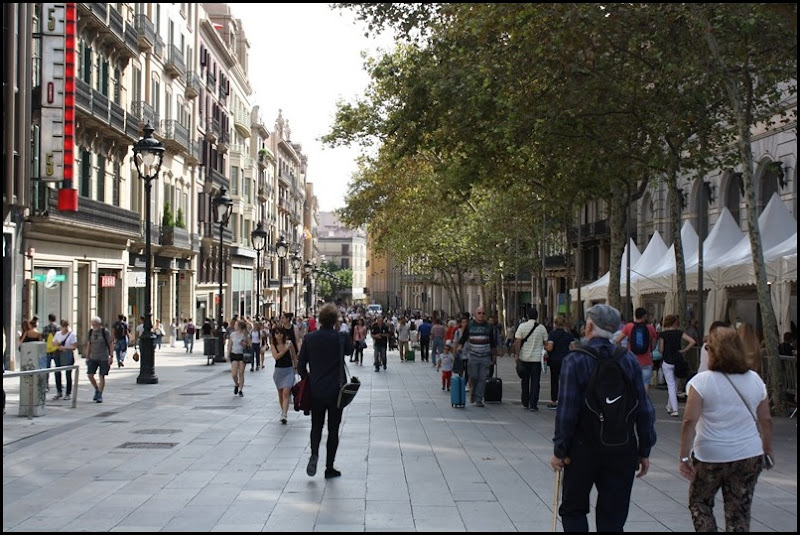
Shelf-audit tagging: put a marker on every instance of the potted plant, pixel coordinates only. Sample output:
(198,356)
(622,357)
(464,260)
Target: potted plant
(180,222)
(167,226)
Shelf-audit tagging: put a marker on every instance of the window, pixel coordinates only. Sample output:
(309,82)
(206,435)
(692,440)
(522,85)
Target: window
(101,179)
(167,104)
(234,180)
(86,62)
(115,185)
(86,176)
(103,76)
(246,186)
(136,85)
(155,96)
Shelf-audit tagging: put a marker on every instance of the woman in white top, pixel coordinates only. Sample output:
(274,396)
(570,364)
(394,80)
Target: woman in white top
(66,342)
(237,340)
(720,442)
(255,342)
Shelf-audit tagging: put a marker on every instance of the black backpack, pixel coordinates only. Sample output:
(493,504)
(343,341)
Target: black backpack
(119,330)
(640,339)
(608,414)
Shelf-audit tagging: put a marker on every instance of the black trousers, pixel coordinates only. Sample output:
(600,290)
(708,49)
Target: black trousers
(612,474)
(531,374)
(425,348)
(555,371)
(320,406)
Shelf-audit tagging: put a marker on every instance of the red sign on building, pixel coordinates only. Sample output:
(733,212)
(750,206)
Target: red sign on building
(108,281)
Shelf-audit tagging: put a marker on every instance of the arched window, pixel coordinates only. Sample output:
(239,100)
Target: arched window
(647,223)
(768,183)
(733,195)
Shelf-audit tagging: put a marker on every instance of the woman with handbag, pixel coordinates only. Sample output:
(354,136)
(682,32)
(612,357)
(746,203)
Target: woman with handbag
(66,342)
(285,363)
(669,344)
(322,360)
(238,342)
(726,434)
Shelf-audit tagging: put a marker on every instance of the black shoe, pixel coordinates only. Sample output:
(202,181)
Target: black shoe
(241,393)
(332,472)
(311,469)
(235,388)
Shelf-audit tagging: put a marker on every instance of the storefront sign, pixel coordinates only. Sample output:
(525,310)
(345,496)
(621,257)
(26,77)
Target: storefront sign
(50,278)
(137,279)
(108,281)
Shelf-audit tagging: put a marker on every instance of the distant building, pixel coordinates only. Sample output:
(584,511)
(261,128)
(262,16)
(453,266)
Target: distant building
(345,247)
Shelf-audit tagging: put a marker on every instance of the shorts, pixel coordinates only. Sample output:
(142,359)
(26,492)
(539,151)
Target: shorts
(92,366)
(647,374)
(237,357)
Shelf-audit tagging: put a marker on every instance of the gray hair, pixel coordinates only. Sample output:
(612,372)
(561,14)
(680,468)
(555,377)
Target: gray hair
(98,320)
(598,332)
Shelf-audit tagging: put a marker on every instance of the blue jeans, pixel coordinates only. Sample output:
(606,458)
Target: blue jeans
(188,342)
(647,375)
(120,348)
(380,357)
(437,348)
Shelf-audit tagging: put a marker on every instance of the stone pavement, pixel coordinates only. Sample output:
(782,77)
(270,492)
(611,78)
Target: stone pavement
(186,455)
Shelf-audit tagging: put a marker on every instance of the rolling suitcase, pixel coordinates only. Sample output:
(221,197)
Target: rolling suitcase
(458,391)
(493,392)
(410,354)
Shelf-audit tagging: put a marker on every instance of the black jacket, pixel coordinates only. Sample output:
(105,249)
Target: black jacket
(320,356)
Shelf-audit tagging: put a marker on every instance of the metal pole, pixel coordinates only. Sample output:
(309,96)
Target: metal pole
(702,236)
(147,373)
(628,309)
(220,354)
(258,283)
(280,287)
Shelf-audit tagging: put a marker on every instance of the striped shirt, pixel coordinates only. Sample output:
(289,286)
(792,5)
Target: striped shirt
(480,337)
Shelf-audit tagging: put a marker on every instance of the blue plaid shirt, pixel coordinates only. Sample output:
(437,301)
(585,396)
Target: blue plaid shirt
(576,370)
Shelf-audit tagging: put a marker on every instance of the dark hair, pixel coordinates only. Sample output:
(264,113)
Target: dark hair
(670,320)
(328,315)
(51,317)
(532,313)
(640,313)
(274,332)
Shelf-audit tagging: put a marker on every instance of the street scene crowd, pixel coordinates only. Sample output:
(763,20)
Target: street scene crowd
(726,437)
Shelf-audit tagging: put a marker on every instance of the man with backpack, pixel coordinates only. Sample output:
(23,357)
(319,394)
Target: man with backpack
(121,332)
(642,338)
(605,427)
(188,335)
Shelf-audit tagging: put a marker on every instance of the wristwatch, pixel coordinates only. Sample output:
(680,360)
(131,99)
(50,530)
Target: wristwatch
(685,459)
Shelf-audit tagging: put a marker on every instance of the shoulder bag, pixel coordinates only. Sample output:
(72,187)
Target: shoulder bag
(520,369)
(766,459)
(347,389)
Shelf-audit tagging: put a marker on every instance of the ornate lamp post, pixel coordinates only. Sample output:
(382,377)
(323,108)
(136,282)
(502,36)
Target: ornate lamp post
(258,239)
(147,156)
(223,205)
(307,267)
(314,277)
(282,248)
(297,262)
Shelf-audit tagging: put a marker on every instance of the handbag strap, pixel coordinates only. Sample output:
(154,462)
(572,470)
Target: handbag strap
(758,428)
(535,324)
(342,373)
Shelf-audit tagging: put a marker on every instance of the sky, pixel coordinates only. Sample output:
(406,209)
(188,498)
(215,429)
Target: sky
(303,59)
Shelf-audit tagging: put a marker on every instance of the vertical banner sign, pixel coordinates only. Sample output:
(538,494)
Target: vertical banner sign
(67,195)
(51,159)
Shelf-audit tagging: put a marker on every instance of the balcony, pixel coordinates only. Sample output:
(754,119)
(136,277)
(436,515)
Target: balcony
(193,153)
(242,123)
(211,81)
(175,135)
(132,126)
(174,66)
(83,96)
(145,113)
(131,39)
(115,22)
(93,218)
(594,231)
(93,16)
(146,33)
(223,143)
(217,178)
(96,110)
(193,85)
(212,129)
(158,47)
(263,194)
(175,237)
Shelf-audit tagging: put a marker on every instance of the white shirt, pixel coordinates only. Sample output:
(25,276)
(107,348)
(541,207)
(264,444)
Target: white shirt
(65,339)
(255,337)
(726,431)
(531,350)
(344,328)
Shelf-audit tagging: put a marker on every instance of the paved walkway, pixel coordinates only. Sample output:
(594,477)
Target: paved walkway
(186,455)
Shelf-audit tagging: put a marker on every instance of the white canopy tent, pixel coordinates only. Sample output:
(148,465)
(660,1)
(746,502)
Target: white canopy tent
(598,289)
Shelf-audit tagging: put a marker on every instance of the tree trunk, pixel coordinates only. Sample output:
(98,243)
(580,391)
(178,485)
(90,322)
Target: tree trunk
(617,214)
(742,109)
(674,199)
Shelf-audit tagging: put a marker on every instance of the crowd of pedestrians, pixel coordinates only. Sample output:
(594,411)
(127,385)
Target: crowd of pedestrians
(726,422)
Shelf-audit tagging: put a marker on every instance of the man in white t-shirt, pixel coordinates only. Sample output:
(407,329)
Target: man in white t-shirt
(529,354)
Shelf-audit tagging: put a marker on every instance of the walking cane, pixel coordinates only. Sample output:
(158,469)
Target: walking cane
(557,493)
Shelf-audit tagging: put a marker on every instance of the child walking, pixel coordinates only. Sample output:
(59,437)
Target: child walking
(445,364)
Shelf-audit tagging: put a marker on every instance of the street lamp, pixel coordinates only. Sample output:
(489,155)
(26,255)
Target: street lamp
(307,268)
(147,156)
(314,277)
(297,261)
(258,239)
(282,248)
(223,205)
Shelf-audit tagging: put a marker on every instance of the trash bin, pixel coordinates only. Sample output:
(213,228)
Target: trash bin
(209,349)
